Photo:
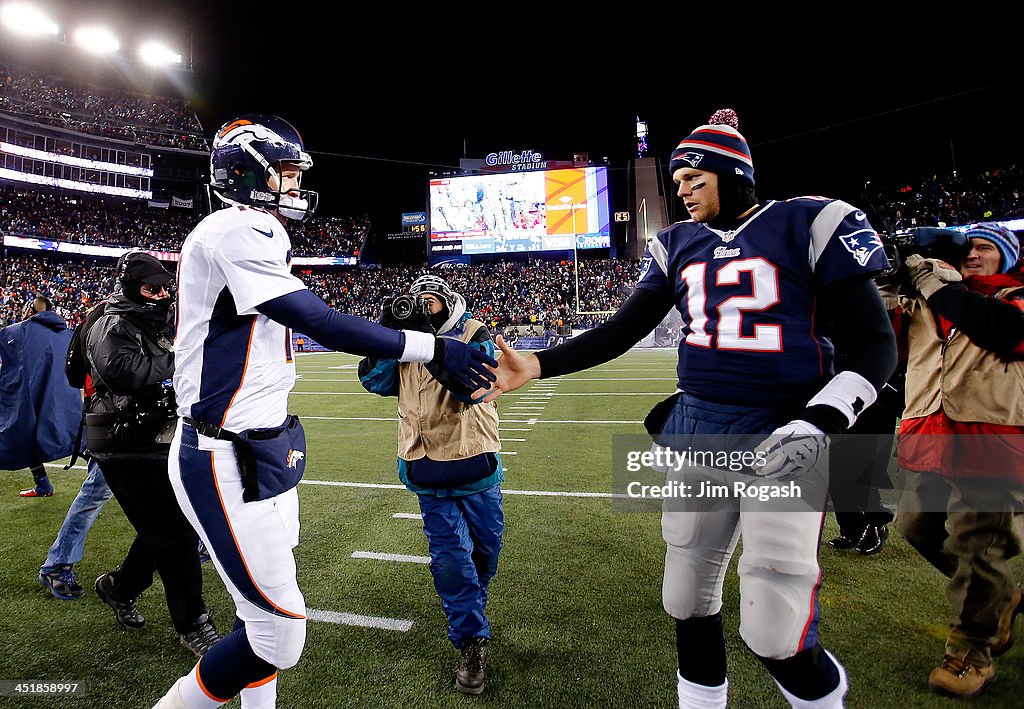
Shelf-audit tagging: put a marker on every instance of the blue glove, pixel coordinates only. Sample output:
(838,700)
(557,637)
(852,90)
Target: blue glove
(464,362)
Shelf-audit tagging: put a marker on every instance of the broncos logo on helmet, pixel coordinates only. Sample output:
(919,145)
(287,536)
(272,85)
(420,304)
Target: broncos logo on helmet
(247,153)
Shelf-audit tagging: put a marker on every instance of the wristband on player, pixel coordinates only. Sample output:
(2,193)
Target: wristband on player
(419,346)
(848,393)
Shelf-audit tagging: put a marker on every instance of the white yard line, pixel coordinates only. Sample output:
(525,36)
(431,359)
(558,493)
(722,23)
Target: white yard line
(346,418)
(406,515)
(533,422)
(401,558)
(534,493)
(572,421)
(530,422)
(557,493)
(634,370)
(621,379)
(361,621)
(516,429)
(517,440)
(333,483)
(336,381)
(522,400)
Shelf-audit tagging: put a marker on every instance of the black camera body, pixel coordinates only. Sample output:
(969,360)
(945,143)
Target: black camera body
(406,312)
(949,245)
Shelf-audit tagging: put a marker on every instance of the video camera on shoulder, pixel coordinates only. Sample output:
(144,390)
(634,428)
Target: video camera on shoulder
(949,245)
(406,312)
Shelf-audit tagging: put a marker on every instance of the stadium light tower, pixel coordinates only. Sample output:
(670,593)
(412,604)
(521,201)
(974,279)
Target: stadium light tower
(641,137)
(24,19)
(158,54)
(97,40)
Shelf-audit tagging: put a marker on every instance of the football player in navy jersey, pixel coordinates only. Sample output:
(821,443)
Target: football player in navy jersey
(753,282)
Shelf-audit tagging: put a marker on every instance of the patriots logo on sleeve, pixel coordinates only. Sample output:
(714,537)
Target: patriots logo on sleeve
(645,266)
(862,244)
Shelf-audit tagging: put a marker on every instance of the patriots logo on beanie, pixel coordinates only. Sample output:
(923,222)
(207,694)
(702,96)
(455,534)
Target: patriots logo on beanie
(718,147)
(692,158)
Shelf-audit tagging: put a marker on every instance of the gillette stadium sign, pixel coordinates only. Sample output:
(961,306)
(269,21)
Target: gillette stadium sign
(511,160)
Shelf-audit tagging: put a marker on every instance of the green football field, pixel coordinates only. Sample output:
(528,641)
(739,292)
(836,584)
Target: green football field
(575,607)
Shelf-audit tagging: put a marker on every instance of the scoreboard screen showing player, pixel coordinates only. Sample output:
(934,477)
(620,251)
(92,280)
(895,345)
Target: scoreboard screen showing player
(541,210)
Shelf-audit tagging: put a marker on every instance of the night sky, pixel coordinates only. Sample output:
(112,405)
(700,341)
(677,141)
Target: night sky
(383,100)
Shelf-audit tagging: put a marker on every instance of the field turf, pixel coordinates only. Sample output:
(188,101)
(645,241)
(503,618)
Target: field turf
(575,607)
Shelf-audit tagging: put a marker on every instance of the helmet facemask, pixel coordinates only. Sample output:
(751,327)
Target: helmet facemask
(292,206)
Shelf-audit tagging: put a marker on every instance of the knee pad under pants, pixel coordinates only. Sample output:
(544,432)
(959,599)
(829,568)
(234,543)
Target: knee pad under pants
(779,581)
(277,640)
(699,544)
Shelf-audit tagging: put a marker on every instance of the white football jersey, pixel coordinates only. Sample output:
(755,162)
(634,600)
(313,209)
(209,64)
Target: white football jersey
(234,367)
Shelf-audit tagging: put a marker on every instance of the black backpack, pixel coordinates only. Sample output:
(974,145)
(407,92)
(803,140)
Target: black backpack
(76,365)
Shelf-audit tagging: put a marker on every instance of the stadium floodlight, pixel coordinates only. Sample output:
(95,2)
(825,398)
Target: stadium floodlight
(97,40)
(22,18)
(158,54)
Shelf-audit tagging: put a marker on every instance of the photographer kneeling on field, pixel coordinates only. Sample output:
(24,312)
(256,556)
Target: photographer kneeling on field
(448,455)
(961,442)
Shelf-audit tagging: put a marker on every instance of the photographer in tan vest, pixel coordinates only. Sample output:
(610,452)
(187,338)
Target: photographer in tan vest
(961,443)
(448,455)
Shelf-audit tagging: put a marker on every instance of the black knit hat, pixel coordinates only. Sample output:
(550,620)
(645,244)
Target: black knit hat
(141,267)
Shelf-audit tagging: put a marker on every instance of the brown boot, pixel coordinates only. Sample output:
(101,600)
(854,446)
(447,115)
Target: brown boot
(1004,637)
(958,677)
(472,666)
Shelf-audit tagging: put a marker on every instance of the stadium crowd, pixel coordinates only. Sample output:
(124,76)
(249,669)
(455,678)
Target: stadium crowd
(114,222)
(329,236)
(93,221)
(946,199)
(107,112)
(951,199)
(502,293)
(72,286)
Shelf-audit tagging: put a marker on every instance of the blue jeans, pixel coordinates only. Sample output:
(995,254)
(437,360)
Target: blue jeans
(464,534)
(67,547)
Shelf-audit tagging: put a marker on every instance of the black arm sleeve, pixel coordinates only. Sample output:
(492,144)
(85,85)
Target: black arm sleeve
(305,312)
(641,312)
(860,329)
(990,323)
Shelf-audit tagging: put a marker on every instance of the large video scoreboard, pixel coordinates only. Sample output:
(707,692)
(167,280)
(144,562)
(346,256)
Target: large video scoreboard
(541,210)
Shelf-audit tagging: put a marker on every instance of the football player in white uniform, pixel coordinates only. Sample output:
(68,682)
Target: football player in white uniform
(237,455)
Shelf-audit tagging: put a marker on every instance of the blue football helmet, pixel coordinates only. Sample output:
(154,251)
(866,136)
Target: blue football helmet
(247,152)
